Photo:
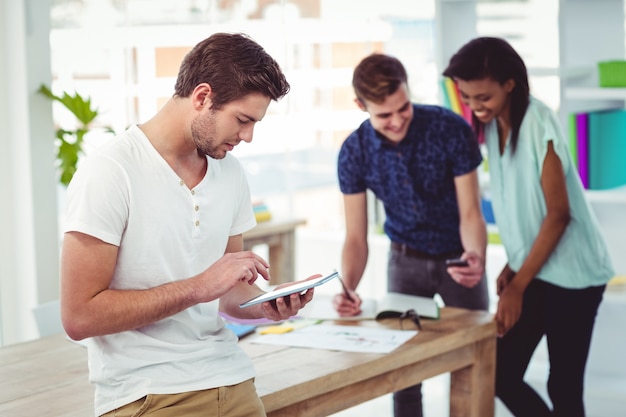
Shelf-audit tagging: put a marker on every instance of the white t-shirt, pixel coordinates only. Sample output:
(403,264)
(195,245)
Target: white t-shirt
(127,195)
(581,258)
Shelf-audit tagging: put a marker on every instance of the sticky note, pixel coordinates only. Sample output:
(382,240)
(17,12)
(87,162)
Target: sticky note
(281,328)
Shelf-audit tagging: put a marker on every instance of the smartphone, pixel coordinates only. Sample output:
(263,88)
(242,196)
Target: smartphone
(456,262)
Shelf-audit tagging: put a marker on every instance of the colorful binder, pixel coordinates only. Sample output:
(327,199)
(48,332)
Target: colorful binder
(607,149)
(582,135)
(573,138)
(451,91)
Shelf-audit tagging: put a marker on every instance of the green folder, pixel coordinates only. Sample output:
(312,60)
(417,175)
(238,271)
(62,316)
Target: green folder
(573,139)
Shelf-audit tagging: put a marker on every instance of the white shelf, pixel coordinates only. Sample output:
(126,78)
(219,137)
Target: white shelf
(567,73)
(583,29)
(595,93)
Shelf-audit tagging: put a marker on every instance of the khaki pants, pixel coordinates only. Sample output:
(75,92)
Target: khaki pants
(239,400)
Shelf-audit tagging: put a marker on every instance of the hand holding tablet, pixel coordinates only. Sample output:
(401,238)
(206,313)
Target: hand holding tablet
(296,287)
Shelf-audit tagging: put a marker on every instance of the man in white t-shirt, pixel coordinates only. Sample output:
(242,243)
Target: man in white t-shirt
(153,246)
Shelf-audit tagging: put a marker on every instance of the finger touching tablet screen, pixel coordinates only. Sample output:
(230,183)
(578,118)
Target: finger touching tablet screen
(299,286)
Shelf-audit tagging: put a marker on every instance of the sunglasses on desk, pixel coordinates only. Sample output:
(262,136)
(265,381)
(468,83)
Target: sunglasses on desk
(411,315)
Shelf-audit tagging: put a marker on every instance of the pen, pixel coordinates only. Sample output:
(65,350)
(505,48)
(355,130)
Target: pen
(345,290)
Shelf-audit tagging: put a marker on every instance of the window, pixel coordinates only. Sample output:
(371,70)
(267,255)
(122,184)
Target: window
(126,57)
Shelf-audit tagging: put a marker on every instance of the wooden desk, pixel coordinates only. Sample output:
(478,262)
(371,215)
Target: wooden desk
(49,376)
(280,237)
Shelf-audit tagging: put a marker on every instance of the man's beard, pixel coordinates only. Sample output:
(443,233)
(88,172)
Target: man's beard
(203,133)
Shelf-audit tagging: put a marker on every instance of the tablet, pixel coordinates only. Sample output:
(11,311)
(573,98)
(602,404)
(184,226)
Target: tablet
(299,286)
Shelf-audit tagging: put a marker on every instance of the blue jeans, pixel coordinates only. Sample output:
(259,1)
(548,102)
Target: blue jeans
(566,317)
(427,277)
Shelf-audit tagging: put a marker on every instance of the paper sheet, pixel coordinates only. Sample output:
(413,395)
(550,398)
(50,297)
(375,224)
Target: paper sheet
(337,337)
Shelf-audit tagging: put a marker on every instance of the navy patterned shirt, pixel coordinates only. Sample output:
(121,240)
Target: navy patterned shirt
(415,178)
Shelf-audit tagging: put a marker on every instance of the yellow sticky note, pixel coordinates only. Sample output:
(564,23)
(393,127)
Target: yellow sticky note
(276,329)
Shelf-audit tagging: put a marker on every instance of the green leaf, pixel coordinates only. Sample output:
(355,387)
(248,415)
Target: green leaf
(77,104)
(69,142)
(67,156)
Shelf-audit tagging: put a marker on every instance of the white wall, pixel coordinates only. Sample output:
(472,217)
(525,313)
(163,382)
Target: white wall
(610,209)
(28,215)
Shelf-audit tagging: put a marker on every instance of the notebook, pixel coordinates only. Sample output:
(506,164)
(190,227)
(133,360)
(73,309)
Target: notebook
(386,306)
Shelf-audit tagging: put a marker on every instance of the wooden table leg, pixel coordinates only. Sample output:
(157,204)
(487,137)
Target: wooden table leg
(282,259)
(280,253)
(472,389)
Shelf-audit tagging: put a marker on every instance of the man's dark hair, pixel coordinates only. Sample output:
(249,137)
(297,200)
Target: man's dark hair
(377,77)
(234,66)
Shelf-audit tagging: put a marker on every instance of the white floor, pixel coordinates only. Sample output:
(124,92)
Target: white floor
(605,386)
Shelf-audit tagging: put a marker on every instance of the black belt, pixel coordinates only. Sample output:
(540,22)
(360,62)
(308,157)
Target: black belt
(415,253)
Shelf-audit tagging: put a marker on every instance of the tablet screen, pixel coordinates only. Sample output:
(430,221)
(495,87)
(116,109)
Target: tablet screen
(298,286)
